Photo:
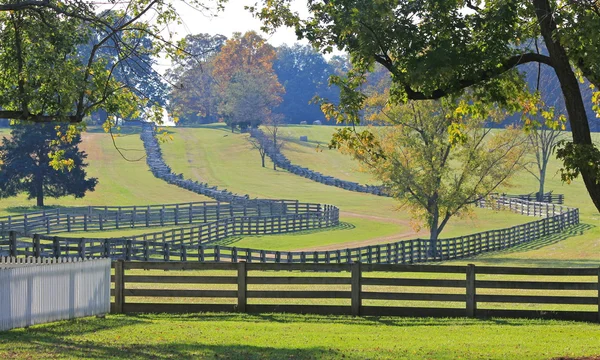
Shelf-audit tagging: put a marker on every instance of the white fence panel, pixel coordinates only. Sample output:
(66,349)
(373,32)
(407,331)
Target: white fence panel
(41,292)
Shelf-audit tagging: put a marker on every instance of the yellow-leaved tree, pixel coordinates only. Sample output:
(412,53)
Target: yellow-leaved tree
(436,158)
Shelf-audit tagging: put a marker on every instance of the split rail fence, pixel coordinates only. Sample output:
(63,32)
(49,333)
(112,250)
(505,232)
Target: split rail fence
(358,289)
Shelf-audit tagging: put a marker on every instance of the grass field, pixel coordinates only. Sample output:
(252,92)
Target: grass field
(214,155)
(121,182)
(269,336)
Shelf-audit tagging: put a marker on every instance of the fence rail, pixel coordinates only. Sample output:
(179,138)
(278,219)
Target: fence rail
(356,285)
(37,291)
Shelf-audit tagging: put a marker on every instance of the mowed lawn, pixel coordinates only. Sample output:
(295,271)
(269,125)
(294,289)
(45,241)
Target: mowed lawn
(272,336)
(121,182)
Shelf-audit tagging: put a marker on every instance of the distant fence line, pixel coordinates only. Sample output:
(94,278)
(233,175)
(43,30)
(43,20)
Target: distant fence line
(37,291)
(163,171)
(353,287)
(178,245)
(548,197)
(283,162)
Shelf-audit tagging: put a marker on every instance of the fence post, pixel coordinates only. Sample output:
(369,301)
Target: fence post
(56,246)
(36,246)
(241,282)
(599,294)
(12,237)
(119,286)
(471,303)
(81,248)
(356,288)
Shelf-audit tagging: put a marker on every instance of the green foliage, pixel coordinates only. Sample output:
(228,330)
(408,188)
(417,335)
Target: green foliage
(26,163)
(576,157)
(436,49)
(434,159)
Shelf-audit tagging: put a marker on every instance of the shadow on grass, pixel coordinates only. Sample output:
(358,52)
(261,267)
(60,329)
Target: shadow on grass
(234,239)
(61,340)
(343,320)
(576,230)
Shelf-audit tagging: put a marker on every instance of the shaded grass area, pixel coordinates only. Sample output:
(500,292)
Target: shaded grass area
(271,336)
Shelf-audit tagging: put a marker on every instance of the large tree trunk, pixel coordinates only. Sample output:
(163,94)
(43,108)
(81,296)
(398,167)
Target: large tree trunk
(262,157)
(540,194)
(570,89)
(433,234)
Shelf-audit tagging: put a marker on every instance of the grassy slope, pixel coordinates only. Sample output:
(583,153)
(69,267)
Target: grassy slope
(580,246)
(121,182)
(215,155)
(234,336)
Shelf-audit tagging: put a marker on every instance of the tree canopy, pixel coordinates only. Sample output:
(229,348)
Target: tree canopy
(434,49)
(47,75)
(248,87)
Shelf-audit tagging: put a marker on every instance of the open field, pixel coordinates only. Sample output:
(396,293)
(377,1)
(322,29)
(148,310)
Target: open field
(579,246)
(121,182)
(270,336)
(213,154)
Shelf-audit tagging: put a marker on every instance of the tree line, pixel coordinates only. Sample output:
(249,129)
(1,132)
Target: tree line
(244,81)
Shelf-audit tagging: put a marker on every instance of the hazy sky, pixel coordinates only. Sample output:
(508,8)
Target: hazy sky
(233,19)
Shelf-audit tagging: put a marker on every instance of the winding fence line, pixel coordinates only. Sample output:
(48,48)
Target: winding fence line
(208,223)
(194,245)
(283,162)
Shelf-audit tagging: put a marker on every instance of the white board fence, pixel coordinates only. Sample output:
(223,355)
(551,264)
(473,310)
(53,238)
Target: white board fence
(36,291)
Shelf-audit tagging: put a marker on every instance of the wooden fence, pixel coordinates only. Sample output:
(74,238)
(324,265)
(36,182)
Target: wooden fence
(548,197)
(185,245)
(358,289)
(37,291)
(100,218)
(217,221)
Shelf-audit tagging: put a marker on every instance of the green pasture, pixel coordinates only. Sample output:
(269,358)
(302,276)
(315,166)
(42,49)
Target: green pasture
(213,154)
(579,246)
(121,181)
(273,336)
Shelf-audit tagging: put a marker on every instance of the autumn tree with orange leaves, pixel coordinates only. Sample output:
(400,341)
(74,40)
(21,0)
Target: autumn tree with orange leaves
(248,87)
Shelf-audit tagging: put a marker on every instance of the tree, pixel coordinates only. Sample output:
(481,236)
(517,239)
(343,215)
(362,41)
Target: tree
(272,131)
(248,87)
(46,78)
(304,74)
(261,146)
(435,49)
(25,163)
(543,140)
(435,159)
(249,98)
(193,97)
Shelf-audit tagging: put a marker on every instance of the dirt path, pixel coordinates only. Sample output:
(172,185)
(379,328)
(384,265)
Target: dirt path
(406,235)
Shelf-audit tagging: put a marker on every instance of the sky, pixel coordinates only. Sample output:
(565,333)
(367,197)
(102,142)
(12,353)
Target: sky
(234,18)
